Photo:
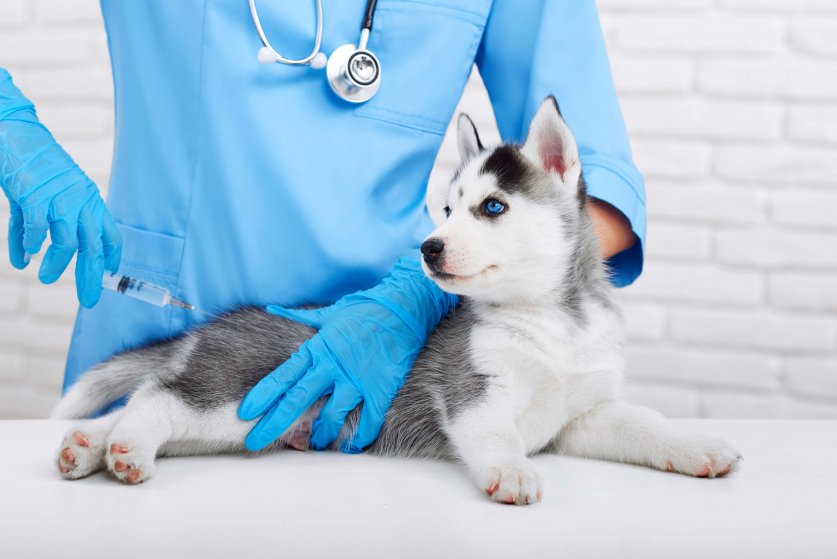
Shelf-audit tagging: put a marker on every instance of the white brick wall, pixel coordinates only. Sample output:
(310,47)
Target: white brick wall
(732,110)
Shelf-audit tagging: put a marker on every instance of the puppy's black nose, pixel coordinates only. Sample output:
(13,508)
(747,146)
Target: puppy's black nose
(432,250)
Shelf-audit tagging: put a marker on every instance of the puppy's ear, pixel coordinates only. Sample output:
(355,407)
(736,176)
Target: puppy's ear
(467,138)
(551,145)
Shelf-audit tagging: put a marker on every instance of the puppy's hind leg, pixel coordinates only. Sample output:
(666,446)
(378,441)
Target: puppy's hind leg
(82,451)
(146,423)
(626,433)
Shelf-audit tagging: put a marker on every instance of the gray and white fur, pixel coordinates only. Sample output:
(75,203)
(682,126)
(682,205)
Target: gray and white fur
(531,361)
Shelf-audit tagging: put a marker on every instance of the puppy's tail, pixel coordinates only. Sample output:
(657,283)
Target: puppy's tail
(119,376)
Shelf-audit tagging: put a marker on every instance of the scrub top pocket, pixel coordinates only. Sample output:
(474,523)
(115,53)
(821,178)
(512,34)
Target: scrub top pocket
(426,52)
(151,256)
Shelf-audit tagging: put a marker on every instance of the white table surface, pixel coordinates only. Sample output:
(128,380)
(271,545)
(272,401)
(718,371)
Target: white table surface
(782,503)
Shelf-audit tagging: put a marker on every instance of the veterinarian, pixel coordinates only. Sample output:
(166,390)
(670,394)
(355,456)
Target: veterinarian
(240,183)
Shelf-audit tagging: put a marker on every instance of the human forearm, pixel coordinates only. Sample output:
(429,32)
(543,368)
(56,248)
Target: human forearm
(611,226)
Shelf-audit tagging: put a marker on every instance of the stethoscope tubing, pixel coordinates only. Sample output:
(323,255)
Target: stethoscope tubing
(318,37)
(368,15)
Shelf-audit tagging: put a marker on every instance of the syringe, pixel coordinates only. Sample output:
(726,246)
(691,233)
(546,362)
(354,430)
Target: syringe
(142,291)
(134,288)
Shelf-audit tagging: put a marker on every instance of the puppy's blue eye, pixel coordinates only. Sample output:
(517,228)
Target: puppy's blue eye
(493,207)
(447,211)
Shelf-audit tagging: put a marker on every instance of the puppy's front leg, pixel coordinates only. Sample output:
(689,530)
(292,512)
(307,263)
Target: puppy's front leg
(487,440)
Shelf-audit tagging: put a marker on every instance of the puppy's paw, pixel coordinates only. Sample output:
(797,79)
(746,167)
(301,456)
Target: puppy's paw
(513,483)
(81,454)
(129,462)
(701,456)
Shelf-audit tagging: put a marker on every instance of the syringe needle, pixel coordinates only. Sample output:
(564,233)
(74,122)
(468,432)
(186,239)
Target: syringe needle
(181,304)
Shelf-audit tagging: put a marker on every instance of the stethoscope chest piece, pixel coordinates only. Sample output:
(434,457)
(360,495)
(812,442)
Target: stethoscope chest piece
(354,74)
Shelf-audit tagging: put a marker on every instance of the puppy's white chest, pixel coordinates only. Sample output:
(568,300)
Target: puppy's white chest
(524,348)
(528,357)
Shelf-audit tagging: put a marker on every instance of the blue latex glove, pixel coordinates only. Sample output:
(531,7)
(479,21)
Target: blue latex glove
(48,191)
(364,349)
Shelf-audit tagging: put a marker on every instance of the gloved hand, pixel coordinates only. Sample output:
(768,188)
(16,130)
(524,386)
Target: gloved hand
(364,349)
(47,191)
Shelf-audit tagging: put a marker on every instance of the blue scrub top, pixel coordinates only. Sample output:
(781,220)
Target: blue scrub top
(236,183)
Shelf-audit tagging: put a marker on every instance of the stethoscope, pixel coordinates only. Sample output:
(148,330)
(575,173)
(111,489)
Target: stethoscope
(353,72)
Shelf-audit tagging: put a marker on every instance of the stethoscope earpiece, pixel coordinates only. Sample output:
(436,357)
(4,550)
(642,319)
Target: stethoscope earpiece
(266,56)
(319,61)
(353,72)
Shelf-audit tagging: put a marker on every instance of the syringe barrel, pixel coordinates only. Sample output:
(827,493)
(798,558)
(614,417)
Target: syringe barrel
(136,289)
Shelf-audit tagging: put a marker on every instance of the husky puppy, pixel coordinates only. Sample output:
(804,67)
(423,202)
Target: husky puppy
(530,362)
